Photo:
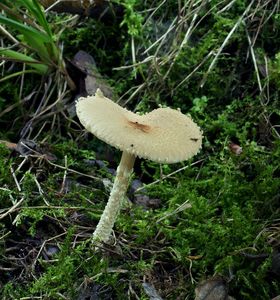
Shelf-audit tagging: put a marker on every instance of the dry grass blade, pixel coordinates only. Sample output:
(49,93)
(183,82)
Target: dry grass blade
(254,62)
(180,208)
(43,246)
(169,175)
(74,171)
(12,209)
(8,35)
(162,53)
(205,59)
(237,24)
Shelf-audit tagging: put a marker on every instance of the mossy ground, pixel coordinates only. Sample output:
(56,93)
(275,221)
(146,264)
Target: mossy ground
(218,216)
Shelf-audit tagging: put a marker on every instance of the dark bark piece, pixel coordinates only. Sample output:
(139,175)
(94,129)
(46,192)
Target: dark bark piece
(92,80)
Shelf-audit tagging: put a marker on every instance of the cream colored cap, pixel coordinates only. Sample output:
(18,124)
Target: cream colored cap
(164,135)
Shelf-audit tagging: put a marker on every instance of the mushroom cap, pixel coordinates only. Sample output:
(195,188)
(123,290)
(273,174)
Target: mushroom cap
(164,135)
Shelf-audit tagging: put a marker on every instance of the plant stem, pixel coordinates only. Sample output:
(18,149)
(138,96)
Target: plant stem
(110,213)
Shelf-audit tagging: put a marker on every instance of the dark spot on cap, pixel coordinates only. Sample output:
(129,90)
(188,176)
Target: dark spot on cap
(194,139)
(139,126)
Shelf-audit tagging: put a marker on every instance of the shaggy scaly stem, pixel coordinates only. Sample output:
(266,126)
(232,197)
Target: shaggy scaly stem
(110,213)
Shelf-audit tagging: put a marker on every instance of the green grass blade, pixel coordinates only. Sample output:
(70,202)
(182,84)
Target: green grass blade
(38,13)
(18,74)
(20,57)
(25,29)
(40,42)
(38,47)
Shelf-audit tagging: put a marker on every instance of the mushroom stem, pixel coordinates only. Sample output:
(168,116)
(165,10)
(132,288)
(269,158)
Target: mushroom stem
(110,213)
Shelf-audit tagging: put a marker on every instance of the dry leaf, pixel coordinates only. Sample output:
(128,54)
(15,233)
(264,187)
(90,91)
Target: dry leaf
(234,148)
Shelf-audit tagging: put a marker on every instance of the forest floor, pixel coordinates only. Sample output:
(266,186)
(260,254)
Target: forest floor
(206,228)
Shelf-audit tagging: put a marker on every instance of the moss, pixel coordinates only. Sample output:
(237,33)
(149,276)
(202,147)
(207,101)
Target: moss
(217,216)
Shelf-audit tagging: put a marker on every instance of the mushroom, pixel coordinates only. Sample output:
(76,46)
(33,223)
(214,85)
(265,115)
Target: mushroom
(164,135)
